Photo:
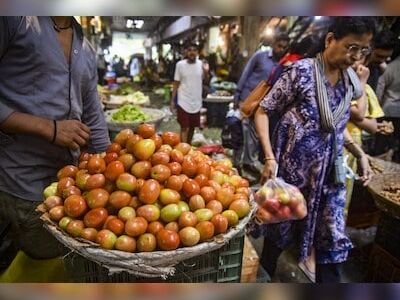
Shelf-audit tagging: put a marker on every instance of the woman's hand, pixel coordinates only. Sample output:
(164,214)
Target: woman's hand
(364,170)
(363,73)
(269,170)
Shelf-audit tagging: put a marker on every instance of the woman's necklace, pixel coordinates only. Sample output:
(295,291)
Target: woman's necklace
(59,28)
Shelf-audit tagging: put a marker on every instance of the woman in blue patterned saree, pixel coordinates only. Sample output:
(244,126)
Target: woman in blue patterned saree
(303,146)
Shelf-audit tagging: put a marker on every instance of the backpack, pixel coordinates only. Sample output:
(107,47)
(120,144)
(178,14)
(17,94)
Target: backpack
(232,134)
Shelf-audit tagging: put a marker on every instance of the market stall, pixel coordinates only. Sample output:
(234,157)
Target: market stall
(384,261)
(150,209)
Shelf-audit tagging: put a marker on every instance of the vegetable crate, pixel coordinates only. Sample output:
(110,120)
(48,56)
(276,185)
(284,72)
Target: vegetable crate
(382,266)
(221,265)
(388,234)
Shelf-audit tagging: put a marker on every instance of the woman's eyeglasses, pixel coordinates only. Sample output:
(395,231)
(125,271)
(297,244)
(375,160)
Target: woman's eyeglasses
(355,50)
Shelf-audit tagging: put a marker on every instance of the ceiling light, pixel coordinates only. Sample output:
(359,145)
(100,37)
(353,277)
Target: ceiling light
(134,23)
(129,23)
(138,23)
(269,31)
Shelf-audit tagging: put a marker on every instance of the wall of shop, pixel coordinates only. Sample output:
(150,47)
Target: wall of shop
(125,47)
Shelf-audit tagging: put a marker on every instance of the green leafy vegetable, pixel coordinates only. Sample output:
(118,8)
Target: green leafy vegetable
(129,113)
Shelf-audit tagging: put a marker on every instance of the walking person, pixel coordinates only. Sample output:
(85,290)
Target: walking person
(259,67)
(49,110)
(313,99)
(188,82)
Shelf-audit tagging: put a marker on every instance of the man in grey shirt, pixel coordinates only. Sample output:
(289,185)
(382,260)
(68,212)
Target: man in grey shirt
(49,109)
(388,93)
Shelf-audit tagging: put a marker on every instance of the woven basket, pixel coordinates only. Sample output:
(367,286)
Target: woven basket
(145,264)
(388,166)
(385,204)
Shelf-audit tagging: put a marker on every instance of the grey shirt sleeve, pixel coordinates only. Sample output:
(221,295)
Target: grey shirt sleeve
(384,80)
(8,27)
(93,116)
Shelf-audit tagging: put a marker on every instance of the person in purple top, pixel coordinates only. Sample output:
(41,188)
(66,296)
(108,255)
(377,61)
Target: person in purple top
(303,148)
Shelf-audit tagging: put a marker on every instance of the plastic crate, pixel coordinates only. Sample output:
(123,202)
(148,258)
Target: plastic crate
(388,234)
(221,265)
(382,266)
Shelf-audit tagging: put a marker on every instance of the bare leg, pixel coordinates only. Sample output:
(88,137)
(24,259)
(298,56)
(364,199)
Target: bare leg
(309,266)
(190,135)
(184,135)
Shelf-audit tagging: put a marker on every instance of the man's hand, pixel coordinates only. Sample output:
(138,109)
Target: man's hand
(206,67)
(364,170)
(385,128)
(269,170)
(72,134)
(172,108)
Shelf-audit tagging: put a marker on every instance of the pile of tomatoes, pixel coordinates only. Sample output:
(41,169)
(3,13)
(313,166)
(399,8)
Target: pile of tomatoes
(148,192)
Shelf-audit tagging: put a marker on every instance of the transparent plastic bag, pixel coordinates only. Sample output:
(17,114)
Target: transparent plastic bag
(279,201)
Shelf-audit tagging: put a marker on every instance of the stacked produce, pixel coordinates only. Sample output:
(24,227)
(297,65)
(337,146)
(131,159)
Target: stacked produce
(147,192)
(391,191)
(124,89)
(129,113)
(279,201)
(376,167)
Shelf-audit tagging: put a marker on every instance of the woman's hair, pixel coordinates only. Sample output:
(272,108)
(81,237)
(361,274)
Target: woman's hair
(343,26)
(307,47)
(282,37)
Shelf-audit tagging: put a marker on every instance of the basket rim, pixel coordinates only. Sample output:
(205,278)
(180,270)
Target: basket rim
(161,115)
(385,204)
(147,264)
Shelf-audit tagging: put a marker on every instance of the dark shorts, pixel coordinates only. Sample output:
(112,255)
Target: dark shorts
(187,120)
(26,231)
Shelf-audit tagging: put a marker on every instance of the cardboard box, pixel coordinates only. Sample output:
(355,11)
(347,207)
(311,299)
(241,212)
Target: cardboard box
(250,262)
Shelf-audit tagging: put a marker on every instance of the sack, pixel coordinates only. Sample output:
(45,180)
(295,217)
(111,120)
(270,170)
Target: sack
(279,201)
(250,104)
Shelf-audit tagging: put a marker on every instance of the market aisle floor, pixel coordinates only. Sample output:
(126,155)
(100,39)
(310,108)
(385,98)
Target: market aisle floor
(354,270)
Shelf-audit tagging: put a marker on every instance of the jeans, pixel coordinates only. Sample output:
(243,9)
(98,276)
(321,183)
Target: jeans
(27,232)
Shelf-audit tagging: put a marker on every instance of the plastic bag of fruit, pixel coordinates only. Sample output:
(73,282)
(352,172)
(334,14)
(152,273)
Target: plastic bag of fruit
(279,201)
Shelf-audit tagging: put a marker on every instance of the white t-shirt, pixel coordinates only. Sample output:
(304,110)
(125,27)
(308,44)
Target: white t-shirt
(190,87)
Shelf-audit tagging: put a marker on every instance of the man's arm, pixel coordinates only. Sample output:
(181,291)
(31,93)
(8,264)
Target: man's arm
(177,80)
(8,28)
(70,133)
(174,93)
(245,75)
(93,115)
(385,80)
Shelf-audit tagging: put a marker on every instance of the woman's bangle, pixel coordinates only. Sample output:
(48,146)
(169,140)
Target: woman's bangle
(269,158)
(348,143)
(54,131)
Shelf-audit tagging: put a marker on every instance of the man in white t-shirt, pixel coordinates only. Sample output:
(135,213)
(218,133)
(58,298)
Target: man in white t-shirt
(188,80)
